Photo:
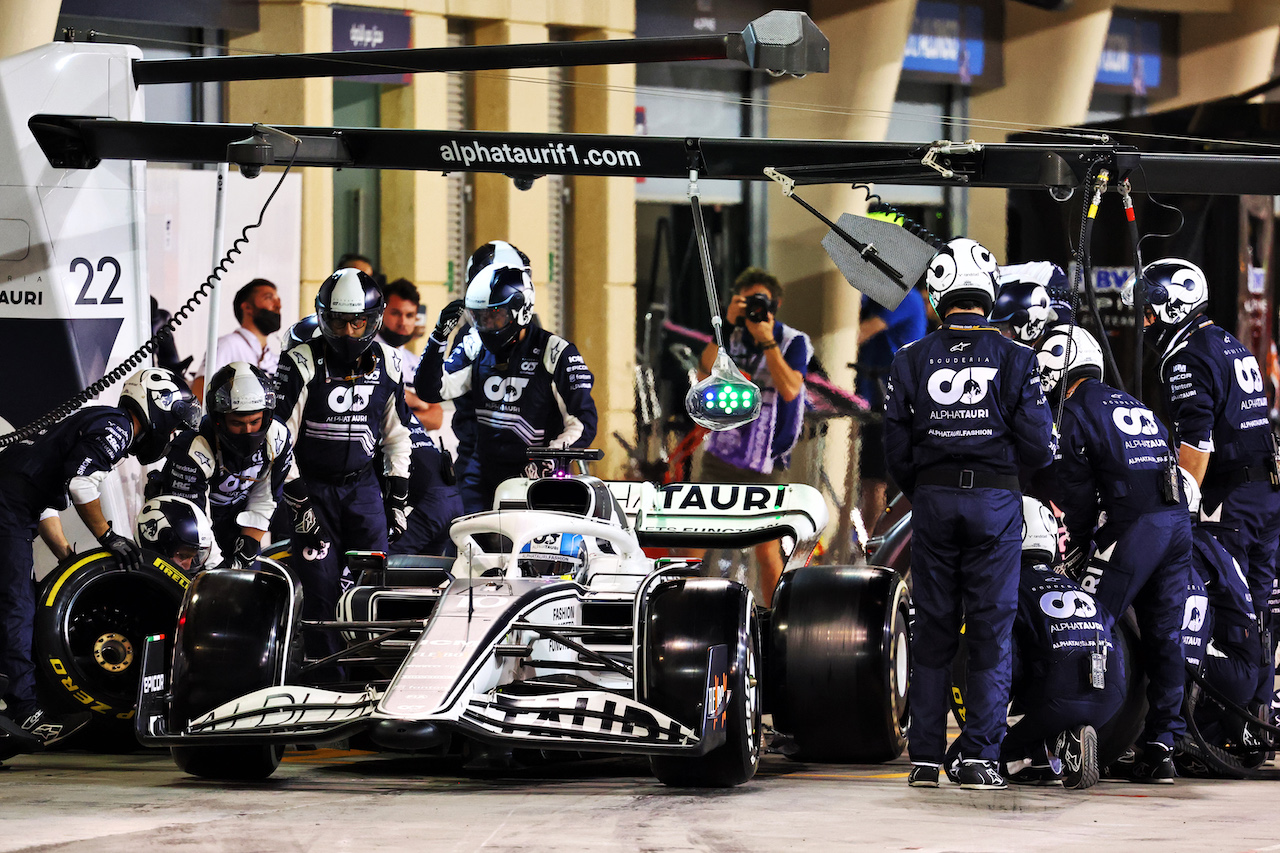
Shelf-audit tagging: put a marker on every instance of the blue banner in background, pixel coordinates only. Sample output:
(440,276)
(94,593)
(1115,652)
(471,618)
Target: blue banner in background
(372,29)
(946,38)
(1131,56)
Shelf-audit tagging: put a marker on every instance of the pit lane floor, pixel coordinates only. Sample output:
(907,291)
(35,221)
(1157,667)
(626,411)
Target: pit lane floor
(347,800)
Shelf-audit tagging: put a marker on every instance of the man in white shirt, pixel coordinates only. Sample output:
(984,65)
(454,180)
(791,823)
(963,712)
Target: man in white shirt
(399,322)
(257,310)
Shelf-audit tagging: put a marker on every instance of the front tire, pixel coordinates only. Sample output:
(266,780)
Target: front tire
(92,619)
(683,620)
(235,635)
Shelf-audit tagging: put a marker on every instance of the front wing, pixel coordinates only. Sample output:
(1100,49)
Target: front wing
(581,720)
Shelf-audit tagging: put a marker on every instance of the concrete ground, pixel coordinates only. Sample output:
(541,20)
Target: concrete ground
(328,800)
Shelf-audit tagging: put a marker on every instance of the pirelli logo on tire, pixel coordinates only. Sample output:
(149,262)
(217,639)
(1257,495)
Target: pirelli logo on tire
(81,696)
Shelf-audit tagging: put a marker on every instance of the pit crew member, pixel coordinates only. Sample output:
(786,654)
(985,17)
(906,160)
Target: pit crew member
(1216,397)
(235,463)
(1068,677)
(528,386)
(71,459)
(1114,457)
(964,411)
(343,399)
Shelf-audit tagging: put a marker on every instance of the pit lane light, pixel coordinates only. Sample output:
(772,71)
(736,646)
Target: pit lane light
(725,399)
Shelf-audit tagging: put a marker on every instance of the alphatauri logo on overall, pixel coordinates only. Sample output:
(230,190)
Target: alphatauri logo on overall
(1248,376)
(1134,420)
(505,389)
(967,385)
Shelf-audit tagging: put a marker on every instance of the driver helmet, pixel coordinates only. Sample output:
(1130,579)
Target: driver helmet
(240,388)
(349,306)
(177,530)
(963,269)
(499,304)
(1065,354)
(558,555)
(1039,531)
(163,404)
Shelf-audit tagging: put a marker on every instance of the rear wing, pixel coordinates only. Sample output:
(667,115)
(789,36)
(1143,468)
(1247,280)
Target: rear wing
(724,515)
(705,515)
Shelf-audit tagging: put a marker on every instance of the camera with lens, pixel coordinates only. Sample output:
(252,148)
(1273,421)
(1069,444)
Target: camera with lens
(758,308)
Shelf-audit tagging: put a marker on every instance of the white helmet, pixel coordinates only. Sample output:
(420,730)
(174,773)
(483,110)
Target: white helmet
(962,269)
(1067,353)
(1191,489)
(177,530)
(1039,531)
(1175,290)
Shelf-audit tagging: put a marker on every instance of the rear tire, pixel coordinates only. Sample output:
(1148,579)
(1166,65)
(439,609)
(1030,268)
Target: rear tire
(839,663)
(234,637)
(683,619)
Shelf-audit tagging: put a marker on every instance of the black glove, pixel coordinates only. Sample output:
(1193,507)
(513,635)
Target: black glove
(243,552)
(450,317)
(304,514)
(397,507)
(126,551)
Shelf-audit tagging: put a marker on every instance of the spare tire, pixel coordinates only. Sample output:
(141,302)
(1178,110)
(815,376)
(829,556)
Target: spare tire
(838,663)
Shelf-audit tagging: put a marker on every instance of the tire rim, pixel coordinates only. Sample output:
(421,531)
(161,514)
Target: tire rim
(113,652)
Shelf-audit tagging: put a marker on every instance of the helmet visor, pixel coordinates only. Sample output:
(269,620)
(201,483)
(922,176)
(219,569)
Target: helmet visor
(346,325)
(489,319)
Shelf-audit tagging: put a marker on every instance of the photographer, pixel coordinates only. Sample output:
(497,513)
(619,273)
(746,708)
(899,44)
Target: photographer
(775,357)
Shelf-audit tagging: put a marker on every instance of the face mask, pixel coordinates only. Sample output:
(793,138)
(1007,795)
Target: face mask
(394,338)
(266,321)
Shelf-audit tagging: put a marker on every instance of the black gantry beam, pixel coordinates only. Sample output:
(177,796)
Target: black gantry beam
(780,42)
(75,142)
(347,63)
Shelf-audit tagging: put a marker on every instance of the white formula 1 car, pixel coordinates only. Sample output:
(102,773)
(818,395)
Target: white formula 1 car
(526,642)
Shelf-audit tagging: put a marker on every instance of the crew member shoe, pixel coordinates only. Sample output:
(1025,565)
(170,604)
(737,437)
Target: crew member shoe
(1023,772)
(15,741)
(923,776)
(1078,750)
(1154,765)
(48,728)
(977,774)
(951,763)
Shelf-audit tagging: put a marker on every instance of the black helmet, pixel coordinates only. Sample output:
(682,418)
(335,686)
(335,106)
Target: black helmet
(1026,308)
(162,403)
(349,298)
(302,331)
(170,525)
(497,253)
(499,304)
(241,388)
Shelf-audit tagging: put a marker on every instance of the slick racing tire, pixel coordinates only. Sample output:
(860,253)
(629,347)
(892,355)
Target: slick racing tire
(683,620)
(1119,733)
(234,637)
(838,663)
(92,619)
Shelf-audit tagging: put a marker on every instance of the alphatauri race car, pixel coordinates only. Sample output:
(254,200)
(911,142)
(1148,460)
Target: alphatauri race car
(551,630)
